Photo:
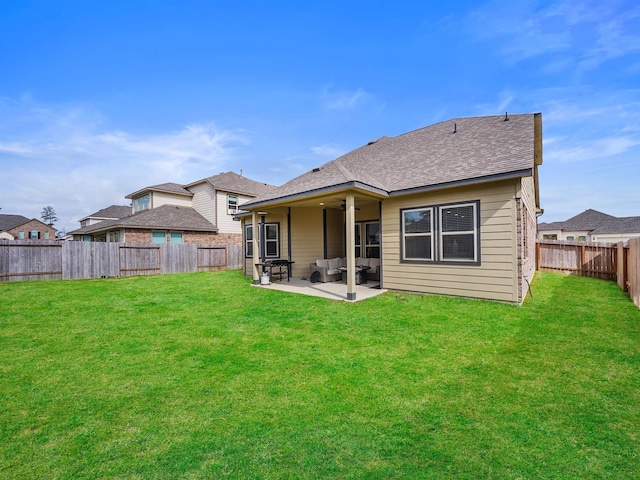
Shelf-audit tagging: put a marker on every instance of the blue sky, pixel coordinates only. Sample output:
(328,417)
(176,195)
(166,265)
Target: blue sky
(99,99)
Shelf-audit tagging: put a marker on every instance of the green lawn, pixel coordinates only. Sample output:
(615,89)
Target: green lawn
(203,376)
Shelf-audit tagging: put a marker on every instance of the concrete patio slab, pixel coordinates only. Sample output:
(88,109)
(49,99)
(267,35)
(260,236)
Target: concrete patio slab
(331,290)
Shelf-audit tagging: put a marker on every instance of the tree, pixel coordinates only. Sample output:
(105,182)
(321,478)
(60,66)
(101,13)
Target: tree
(48,215)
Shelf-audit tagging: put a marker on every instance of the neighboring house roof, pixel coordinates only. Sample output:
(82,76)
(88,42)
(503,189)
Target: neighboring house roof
(163,187)
(234,183)
(455,152)
(168,217)
(112,212)
(586,220)
(619,225)
(595,222)
(7,222)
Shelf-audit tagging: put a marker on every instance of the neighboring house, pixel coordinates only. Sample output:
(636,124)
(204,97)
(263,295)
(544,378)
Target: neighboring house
(200,212)
(114,212)
(17,227)
(592,226)
(448,209)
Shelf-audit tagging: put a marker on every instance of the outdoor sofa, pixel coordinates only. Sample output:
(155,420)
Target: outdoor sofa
(328,269)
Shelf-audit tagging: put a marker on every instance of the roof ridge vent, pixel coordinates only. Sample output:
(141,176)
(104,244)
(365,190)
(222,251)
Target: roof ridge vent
(506,116)
(317,169)
(371,142)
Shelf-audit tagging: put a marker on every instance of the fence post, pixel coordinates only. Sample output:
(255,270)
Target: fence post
(621,267)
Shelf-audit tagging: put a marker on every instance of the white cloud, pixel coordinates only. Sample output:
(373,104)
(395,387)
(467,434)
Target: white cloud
(67,159)
(343,100)
(590,150)
(567,36)
(328,150)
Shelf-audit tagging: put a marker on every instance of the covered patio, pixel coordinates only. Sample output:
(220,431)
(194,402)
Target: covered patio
(330,290)
(330,223)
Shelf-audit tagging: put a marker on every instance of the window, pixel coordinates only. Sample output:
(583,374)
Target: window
(46,235)
(458,233)
(441,233)
(21,235)
(232,202)
(113,237)
(141,203)
(582,238)
(86,238)
(417,232)
(367,245)
(553,236)
(159,237)
(272,240)
(34,234)
(175,237)
(372,239)
(248,241)
(570,238)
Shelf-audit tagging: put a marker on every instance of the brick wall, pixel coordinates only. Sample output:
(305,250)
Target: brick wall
(33,225)
(526,229)
(144,236)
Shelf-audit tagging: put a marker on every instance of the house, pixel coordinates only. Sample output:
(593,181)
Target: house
(591,225)
(447,209)
(17,227)
(200,212)
(114,212)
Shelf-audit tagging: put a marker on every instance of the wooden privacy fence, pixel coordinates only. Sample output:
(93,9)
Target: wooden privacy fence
(610,261)
(40,260)
(577,258)
(633,270)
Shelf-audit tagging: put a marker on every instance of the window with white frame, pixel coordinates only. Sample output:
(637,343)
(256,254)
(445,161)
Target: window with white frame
(232,203)
(372,239)
(248,240)
(458,231)
(417,234)
(441,233)
(272,240)
(141,203)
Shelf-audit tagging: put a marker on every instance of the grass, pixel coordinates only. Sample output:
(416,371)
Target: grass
(203,376)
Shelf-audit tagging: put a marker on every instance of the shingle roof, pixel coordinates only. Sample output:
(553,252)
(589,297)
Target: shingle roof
(169,187)
(232,182)
(595,222)
(169,217)
(586,221)
(7,222)
(114,211)
(619,225)
(447,152)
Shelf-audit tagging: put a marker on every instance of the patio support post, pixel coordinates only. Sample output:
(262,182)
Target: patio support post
(350,220)
(256,248)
